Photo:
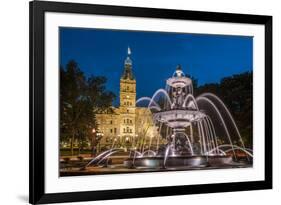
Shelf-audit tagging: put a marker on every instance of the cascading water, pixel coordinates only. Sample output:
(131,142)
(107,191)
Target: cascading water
(187,123)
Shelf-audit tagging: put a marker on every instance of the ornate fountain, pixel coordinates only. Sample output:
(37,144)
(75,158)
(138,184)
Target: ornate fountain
(199,132)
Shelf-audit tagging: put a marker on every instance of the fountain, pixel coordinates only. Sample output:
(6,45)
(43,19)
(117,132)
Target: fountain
(199,132)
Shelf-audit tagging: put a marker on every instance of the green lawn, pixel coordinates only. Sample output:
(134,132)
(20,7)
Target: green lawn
(67,152)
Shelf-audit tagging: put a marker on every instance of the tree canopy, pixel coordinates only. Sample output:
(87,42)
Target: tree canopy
(237,94)
(81,98)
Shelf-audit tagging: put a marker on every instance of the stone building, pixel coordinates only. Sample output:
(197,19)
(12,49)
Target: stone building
(127,124)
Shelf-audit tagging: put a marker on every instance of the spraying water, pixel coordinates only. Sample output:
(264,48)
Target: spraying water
(190,132)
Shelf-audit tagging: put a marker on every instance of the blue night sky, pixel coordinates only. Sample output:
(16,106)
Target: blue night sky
(155,55)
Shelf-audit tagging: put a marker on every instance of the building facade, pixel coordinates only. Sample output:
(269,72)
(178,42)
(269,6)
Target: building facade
(127,125)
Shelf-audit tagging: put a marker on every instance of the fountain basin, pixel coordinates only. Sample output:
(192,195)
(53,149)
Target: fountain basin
(178,117)
(179,82)
(219,160)
(177,161)
(172,161)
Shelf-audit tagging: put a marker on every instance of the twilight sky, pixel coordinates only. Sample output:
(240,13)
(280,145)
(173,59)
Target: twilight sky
(155,55)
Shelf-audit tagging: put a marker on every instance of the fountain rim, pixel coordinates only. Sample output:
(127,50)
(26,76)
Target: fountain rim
(180,109)
(181,81)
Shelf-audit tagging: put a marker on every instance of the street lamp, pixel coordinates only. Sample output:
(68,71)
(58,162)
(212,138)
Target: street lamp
(134,140)
(99,135)
(93,141)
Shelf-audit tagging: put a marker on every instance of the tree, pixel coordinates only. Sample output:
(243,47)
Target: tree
(80,99)
(194,81)
(237,94)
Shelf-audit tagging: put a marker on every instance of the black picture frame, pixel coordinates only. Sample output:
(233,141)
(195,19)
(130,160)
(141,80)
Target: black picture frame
(37,194)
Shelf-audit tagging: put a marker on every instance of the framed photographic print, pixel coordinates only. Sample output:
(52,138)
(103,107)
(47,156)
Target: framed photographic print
(140,102)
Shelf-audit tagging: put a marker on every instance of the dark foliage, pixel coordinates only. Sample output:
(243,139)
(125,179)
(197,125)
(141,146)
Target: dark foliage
(237,94)
(80,99)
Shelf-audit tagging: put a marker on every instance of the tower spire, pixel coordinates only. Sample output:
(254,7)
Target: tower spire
(129,51)
(128,60)
(127,73)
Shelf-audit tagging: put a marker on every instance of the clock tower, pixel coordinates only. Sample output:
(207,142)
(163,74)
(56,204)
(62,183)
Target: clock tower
(128,102)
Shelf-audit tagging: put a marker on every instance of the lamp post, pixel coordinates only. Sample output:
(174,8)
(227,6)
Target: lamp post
(134,141)
(93,142)
(127,143)
(99,135)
